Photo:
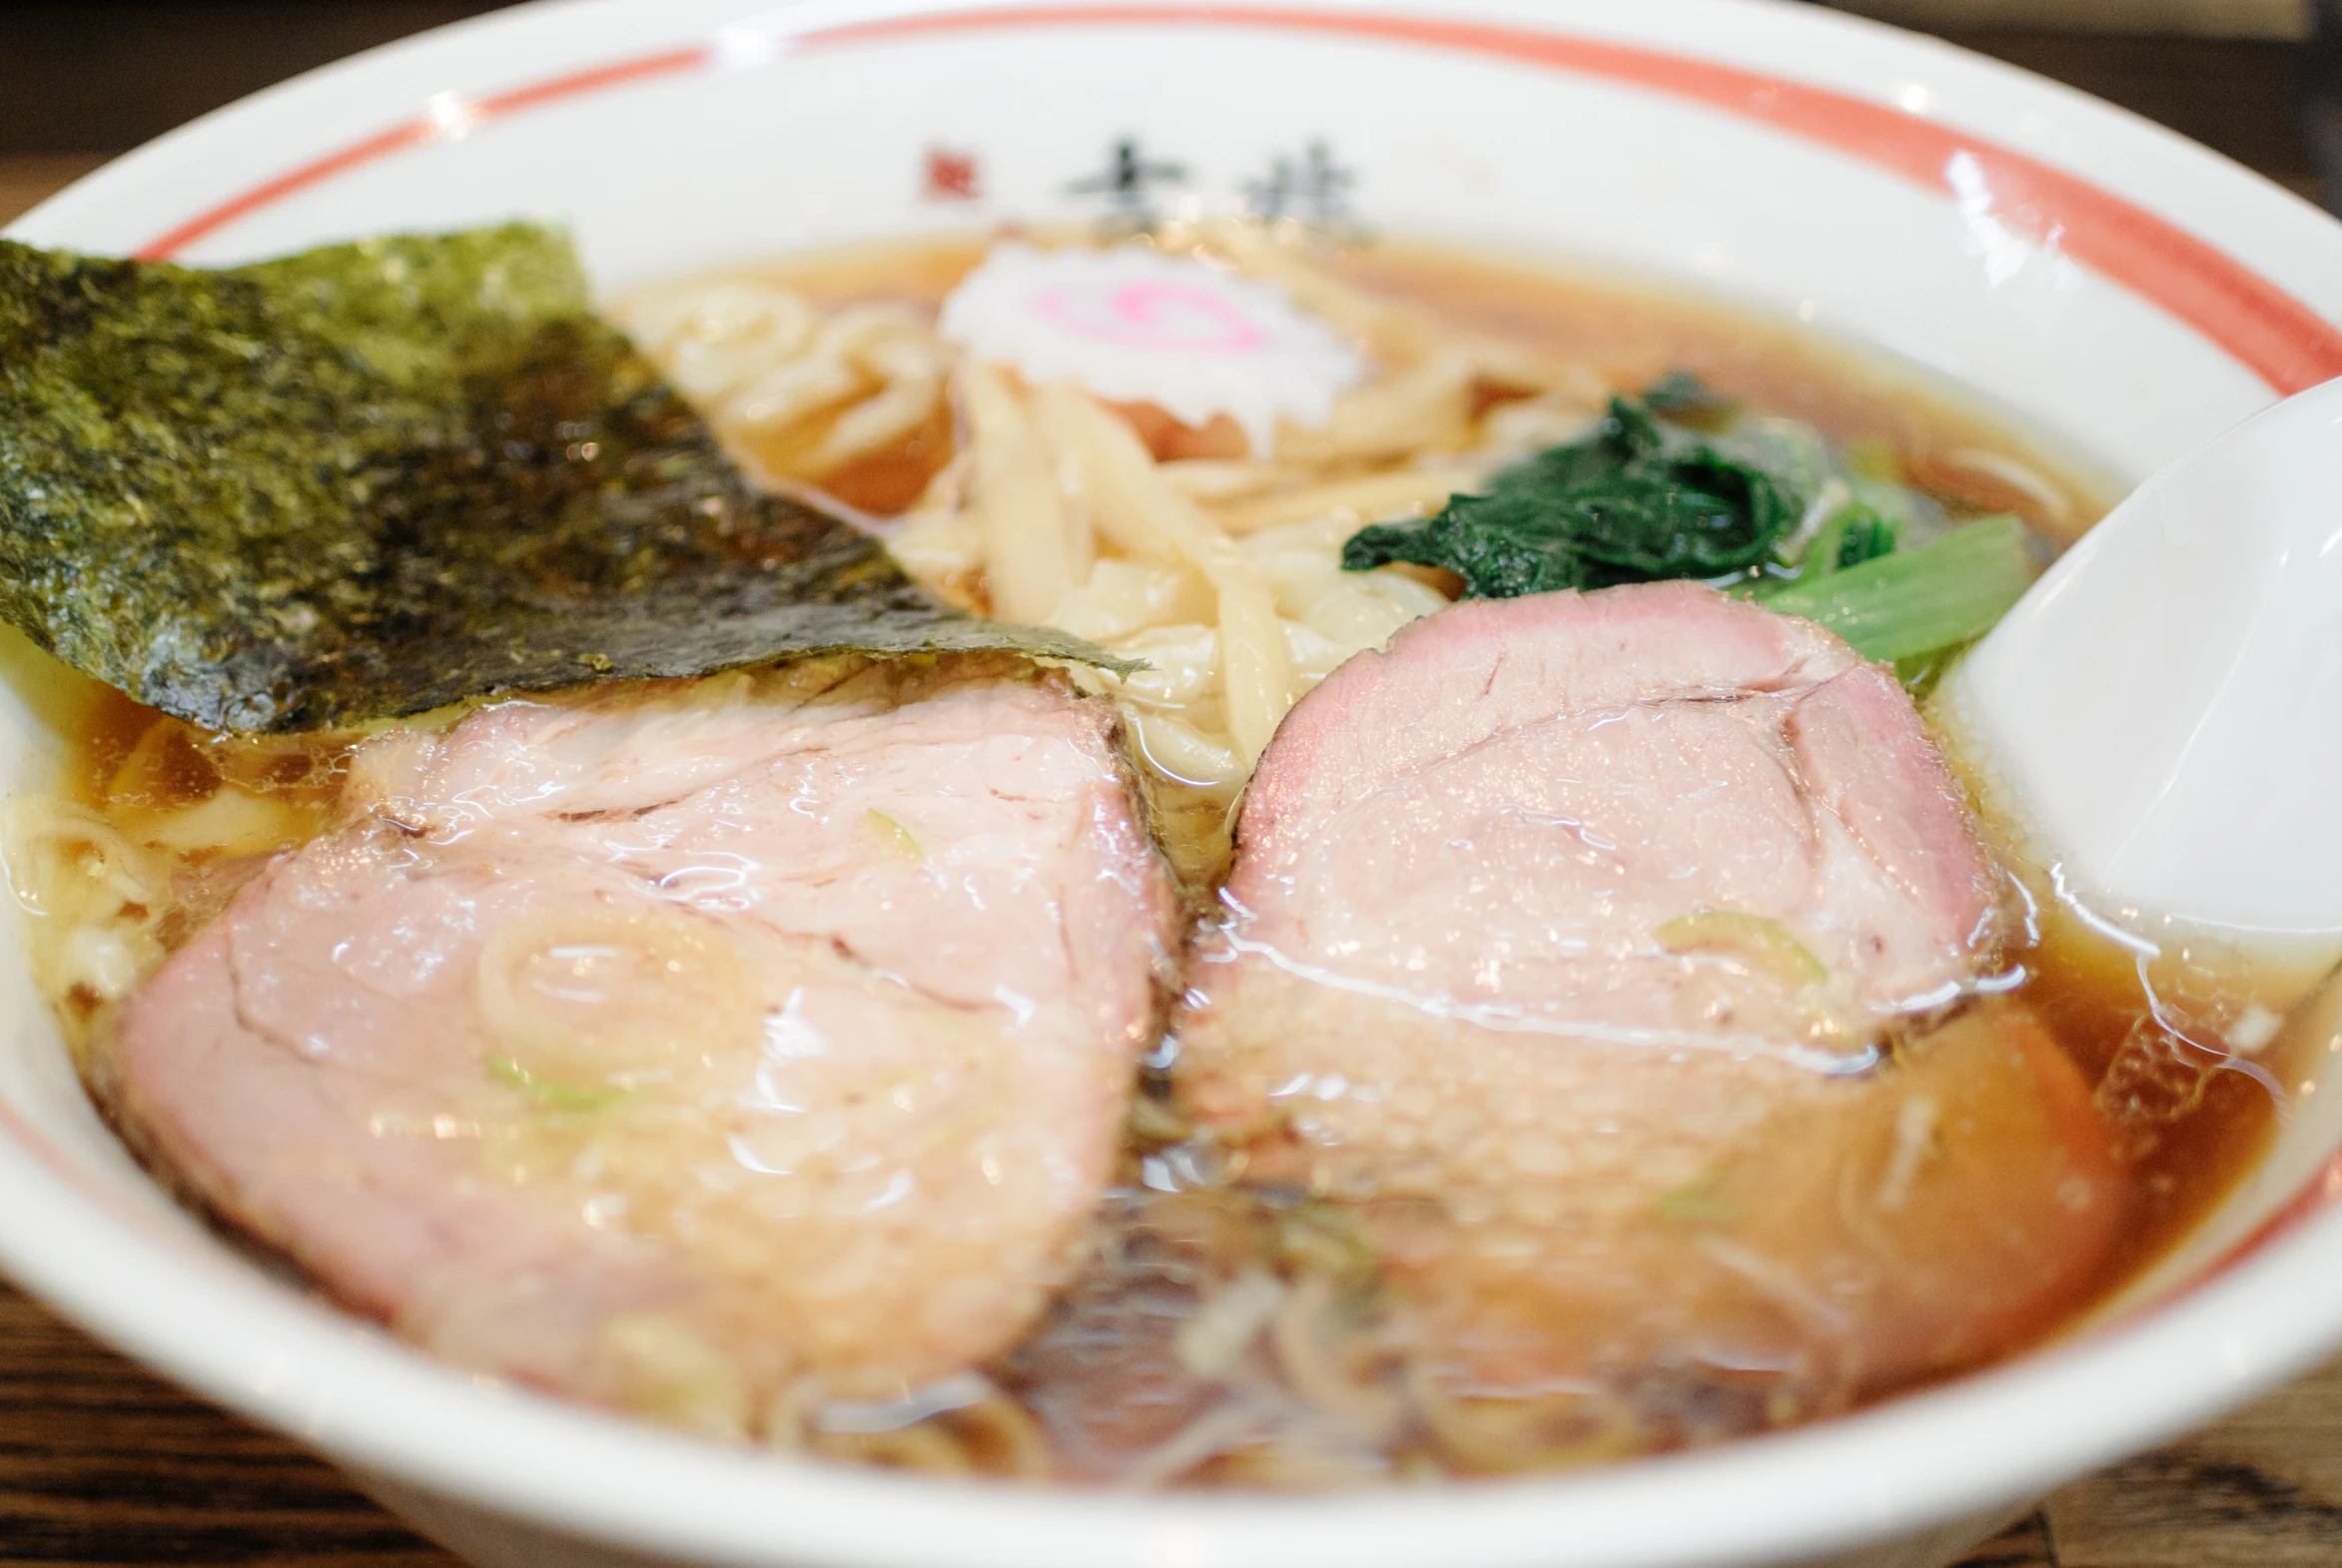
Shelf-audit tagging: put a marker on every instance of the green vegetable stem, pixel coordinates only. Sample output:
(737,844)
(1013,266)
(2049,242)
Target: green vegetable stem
(1677,485)
(1908,605)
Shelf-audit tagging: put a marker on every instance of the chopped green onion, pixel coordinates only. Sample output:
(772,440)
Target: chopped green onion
(1685,399)
(1920,672)
(1766,944)
(1918,602)
(893,834)
(1854,533)
(1874,459)
(552,1096)
(1698,1202)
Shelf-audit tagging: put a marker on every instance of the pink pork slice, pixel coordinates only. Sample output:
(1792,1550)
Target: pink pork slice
(1550,923)
(701,1049)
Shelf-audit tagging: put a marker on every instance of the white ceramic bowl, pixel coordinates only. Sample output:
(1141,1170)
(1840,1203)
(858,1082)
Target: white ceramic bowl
(2123,292)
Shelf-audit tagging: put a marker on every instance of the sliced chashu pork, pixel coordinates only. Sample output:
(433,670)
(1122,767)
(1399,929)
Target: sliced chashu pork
(695,1048)
(1563,941)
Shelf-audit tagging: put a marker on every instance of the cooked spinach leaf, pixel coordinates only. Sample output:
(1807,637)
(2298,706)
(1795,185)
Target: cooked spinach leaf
(1854,533)
(1863,535)
(379,477)
(1759,506)
(1683,398)
(1636,501)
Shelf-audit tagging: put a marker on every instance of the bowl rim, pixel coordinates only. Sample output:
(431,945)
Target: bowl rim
(2288,344)
(1966,1447)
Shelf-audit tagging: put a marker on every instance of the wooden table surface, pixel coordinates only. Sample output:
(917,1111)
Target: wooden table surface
(102,1463)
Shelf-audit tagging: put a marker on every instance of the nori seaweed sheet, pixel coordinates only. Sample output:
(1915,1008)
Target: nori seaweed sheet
(373,478)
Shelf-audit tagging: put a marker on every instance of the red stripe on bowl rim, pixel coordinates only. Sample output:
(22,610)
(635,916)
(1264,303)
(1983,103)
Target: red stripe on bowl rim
(2282,341)
(418,131)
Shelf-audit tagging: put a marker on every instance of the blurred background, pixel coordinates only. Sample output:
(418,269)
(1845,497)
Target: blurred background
(2259,80)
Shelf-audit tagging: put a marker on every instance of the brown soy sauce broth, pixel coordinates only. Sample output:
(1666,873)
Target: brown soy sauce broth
(1943,440)
(146,828)
(1227,1330)
(2188,1052)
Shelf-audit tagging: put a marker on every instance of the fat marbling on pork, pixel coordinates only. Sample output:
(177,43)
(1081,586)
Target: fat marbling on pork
(681,1045)
(1616,957)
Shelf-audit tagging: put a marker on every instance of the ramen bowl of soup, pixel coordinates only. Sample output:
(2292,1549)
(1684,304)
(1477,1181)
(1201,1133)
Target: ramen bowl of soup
(1217,833)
